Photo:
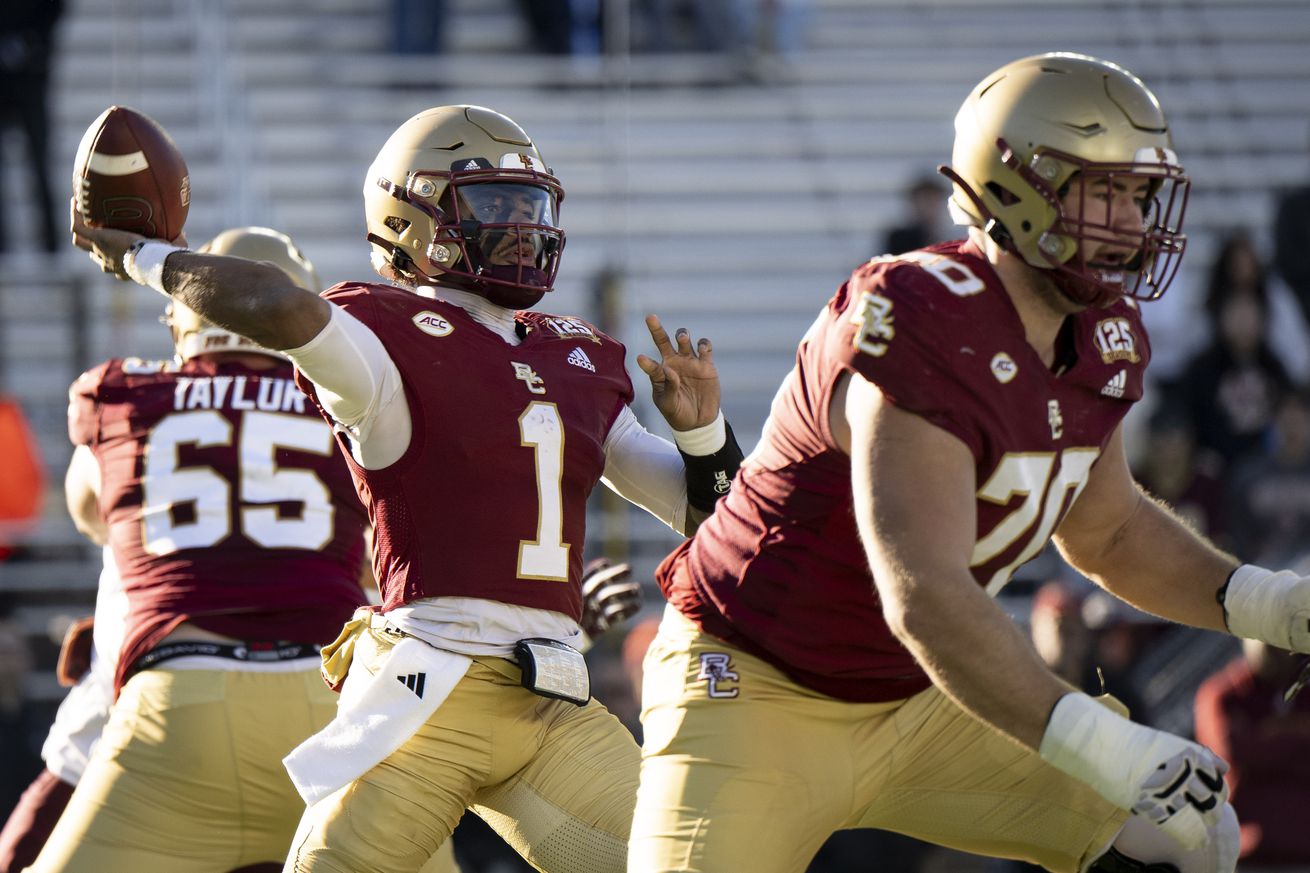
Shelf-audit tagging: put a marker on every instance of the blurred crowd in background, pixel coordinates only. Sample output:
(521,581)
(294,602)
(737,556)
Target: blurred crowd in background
(1224,437)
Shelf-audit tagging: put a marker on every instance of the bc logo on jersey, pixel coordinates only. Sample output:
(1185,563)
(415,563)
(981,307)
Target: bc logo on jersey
(873,317)
(715,667)
(1055,419)
(529,376)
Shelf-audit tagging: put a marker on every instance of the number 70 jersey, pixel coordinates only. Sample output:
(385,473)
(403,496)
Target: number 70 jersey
(780,565)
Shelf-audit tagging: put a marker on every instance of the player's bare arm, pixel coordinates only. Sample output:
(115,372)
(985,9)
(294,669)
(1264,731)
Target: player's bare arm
(1139,550)
(253,299)
(917,522)
(82,492)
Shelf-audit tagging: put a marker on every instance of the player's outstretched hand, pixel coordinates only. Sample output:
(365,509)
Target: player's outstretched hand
(684,383)
(609,596)
(106,245)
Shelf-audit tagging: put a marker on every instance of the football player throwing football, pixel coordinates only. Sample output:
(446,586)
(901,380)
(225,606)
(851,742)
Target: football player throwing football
(475,429)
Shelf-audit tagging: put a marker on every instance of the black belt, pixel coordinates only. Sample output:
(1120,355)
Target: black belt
(257,653)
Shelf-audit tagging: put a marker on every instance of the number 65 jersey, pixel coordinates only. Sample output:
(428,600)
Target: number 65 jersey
(226,501)
(779,569)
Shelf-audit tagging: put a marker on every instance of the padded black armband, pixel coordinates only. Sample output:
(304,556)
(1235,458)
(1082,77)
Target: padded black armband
(710,476)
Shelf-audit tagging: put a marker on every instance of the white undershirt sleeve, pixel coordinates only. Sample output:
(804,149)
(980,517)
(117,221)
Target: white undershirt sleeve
(647,470)
(360,387)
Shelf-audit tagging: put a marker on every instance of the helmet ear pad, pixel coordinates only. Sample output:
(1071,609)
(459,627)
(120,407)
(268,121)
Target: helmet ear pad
(404,235)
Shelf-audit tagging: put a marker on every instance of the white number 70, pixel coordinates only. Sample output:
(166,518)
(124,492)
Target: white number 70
(1029,475)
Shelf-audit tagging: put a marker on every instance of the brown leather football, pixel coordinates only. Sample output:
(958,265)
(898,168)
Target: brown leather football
(129,174)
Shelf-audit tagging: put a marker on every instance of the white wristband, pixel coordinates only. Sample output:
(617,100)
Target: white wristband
(1173,782)
(1274,607)
(1091,743)
(704,440)
(144,262)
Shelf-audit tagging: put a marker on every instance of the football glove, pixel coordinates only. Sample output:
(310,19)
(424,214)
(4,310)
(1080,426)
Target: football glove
(609,596)
(1175,784)
(75,652)
(1273,607)
(1141,847)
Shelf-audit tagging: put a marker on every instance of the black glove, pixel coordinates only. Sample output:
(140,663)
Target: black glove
(609,596)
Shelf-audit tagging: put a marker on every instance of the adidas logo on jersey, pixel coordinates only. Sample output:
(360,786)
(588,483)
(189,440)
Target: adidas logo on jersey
(471,165)
(578,358)
(1115,387)
(414,682)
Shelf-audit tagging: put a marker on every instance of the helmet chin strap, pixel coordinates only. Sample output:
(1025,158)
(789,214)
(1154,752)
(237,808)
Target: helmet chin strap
(513,298)
(499,293)
(1082,291)
(511,287)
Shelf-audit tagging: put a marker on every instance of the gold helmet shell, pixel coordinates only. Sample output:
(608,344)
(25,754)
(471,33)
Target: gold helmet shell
(194,335)
(1027,129)
(437,203)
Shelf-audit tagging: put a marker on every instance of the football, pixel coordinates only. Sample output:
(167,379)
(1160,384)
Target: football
(130,175)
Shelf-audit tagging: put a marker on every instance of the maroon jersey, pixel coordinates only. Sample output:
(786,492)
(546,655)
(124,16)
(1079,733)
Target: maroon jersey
(226,503)
(490,498)
(779,569)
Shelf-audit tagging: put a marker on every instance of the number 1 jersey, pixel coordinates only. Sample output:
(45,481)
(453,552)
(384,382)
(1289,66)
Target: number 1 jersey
(226,501)
(489,499)
(779,569)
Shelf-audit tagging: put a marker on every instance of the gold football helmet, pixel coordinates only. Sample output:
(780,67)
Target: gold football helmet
(194,335)
(1027,129)
(460,195)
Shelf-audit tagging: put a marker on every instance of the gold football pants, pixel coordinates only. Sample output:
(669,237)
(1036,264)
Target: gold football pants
(188,776)
(743,769)
(556,781)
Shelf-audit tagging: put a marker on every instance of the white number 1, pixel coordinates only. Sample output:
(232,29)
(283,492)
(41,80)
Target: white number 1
(546,557)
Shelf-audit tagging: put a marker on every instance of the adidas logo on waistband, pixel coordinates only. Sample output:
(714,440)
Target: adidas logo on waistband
(414,682)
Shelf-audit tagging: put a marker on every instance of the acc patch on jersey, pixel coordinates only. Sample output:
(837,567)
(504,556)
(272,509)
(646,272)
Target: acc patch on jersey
(1004,368)
(433,324)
